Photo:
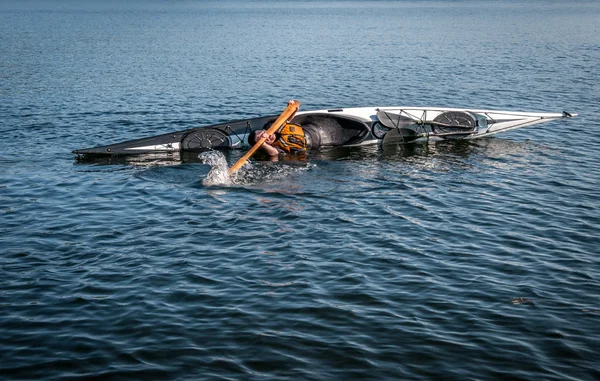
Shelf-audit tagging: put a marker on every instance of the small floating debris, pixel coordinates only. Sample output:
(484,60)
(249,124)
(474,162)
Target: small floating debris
(592,311)
(521,301)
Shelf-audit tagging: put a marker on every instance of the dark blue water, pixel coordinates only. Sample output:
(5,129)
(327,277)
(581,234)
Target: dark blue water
(453,260)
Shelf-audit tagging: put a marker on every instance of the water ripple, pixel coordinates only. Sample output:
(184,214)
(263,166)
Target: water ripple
(448,260)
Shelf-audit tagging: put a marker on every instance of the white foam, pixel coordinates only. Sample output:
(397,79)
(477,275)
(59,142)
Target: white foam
(219,170)
(249,174)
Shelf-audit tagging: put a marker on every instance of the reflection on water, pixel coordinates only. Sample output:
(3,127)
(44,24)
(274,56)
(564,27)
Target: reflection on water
(364,168)
(450,150)
(491,147)
(140,160)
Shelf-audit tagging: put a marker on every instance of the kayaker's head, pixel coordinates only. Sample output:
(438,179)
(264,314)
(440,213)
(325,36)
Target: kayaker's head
(255,136)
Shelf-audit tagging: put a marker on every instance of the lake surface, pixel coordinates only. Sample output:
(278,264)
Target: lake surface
(451,260)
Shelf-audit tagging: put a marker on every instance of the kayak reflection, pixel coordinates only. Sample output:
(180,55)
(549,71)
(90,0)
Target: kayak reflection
(492,147)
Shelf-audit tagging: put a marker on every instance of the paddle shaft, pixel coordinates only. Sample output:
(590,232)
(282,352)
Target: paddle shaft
(286,115)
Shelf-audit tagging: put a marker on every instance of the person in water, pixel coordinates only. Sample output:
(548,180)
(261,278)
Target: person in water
(288,140)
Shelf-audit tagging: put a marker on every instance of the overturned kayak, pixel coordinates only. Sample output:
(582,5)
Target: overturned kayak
(340,127)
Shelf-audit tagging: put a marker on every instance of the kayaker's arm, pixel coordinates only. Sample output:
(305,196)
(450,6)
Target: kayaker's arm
(272,151)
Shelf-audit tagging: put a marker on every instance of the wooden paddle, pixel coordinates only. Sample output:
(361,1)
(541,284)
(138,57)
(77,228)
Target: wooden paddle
(285,116)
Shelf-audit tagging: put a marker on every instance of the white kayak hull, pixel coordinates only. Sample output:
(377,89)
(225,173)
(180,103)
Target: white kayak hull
(343,127)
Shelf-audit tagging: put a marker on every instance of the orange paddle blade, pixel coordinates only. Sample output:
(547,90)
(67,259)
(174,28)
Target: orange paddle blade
(285,116)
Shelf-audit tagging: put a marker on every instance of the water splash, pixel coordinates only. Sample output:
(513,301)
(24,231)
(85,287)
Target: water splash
(219,169)
(249,174)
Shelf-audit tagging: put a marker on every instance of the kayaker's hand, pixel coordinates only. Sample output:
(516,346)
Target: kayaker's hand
(270,138)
